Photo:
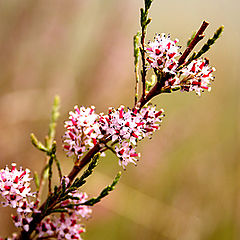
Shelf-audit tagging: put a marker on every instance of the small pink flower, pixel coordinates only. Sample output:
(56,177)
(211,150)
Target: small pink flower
(122,126)
(67,226)
(15,186)
(16,191)
(82,131)
(80,210)
(162,53)
(127,127)
(197,76)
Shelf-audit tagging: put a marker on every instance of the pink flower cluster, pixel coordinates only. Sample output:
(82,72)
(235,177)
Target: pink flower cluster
(15,190)
(127,127)
(162,53)
(124,127)
(68,226)
(82,131)
(63,227)
(196,76)
(80,210)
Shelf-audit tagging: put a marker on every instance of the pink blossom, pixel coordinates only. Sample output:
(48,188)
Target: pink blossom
(162,53)
(81,131)
(67,226)
(197,76)
(162,56)
(121,126)
(126,127)
(15,185)
(80,210)
(16,191)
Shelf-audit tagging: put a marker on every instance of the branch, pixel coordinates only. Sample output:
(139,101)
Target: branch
(144,20)
(136,62)
(198,37)
(103,193)
(208,44)
(87,158)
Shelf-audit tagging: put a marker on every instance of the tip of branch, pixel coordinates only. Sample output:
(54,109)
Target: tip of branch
(201,37)
(205,23)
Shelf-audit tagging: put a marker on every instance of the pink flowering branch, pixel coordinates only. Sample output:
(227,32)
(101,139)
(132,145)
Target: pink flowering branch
(89,134)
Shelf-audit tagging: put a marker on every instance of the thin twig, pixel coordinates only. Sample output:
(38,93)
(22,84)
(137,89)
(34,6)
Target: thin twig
(43,177)
(136,62)
(137,82)
(199,36)
(110,148)
(58,167)
(144,71)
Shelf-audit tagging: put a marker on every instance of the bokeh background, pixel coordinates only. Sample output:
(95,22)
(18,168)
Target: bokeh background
(187,184)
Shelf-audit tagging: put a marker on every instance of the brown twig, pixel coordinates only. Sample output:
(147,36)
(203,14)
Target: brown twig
(87,158)
(144,71)
(136,85)
(198,37)
(156,90)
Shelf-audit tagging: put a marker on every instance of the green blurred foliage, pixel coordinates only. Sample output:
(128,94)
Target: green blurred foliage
(186,185)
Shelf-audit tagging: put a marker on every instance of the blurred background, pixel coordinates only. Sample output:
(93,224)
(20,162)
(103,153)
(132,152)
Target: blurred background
(187,183)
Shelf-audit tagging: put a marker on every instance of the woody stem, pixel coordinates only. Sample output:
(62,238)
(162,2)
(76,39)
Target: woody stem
(199,36)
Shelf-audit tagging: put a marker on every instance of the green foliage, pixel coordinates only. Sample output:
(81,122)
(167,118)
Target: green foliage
(63,185)
(50,163)
(59,210)
(148,4)
(207,45)
(82,180)
(136,42)
(150,83)
(53,122)
(191,38)
(37,143)
(49,148)
(64,196)
(104,192)
(144,20)
(36,180)
(49,141)
(58,166)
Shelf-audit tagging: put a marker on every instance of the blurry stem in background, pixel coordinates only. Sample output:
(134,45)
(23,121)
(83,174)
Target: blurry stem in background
(53,122)
(49,148)
(43,177)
